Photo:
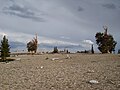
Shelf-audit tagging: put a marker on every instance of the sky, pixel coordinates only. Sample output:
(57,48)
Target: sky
(59,22)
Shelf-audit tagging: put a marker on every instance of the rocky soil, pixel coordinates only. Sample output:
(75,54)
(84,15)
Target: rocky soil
(42,72)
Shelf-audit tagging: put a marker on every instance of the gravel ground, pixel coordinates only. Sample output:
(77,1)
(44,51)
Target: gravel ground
(40,72)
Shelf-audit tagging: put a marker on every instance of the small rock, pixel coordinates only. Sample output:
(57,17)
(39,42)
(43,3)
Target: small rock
(46,58)
(18,59)
(118,86)
(61,61)
(90,71)
(110,82)
(55,58)
(41,67)
(93,82)
(68,57)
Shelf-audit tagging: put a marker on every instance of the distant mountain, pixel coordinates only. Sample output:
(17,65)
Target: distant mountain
(42,46)
(16,44)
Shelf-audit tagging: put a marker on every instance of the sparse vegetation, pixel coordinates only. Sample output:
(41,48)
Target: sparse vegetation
(55,50)
(105,42)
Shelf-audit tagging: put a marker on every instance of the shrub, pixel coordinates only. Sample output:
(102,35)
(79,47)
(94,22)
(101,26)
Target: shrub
(55,50)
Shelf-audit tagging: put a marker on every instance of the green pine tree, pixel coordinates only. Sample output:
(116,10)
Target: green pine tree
(5,49)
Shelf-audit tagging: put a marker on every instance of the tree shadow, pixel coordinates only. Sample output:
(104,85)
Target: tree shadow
(7,60)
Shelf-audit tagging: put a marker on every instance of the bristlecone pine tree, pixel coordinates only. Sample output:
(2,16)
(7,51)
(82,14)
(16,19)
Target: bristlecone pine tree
(5,48)
(32,45)
(105,42)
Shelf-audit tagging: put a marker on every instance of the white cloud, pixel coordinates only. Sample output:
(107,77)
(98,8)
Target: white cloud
(88,42)
(3,34)
(24,38)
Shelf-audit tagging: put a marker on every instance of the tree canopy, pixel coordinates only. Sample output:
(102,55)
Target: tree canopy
(32,45)
(105,42)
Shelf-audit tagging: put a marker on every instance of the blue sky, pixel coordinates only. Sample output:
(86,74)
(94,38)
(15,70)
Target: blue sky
(73,22)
